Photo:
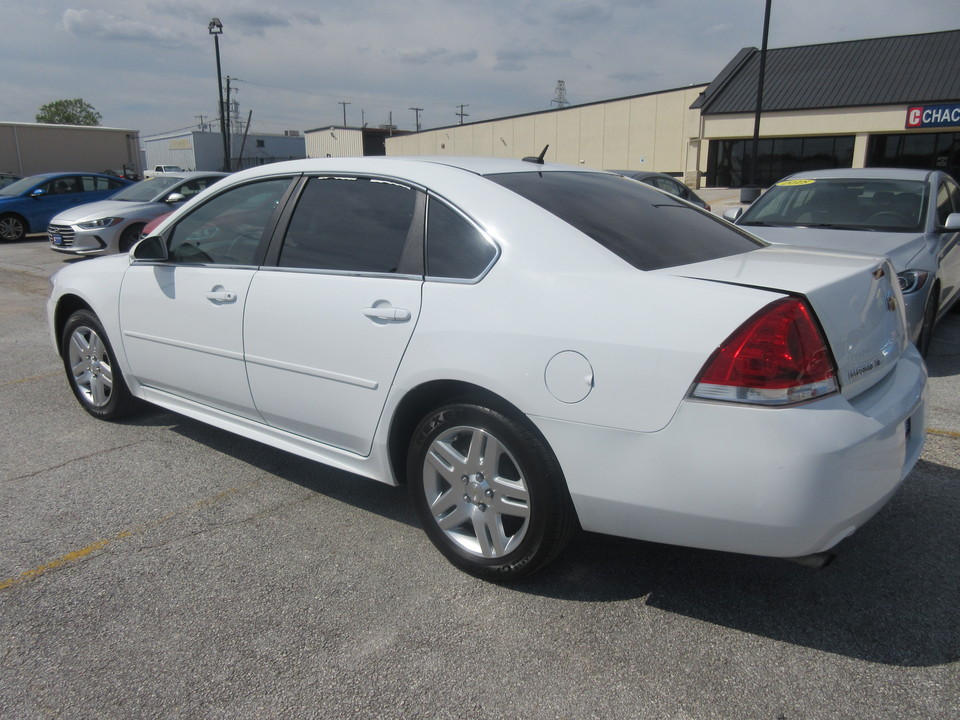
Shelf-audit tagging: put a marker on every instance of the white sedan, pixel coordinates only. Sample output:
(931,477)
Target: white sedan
(531,348)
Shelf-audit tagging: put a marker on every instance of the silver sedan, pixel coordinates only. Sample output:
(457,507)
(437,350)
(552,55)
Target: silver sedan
(910,216)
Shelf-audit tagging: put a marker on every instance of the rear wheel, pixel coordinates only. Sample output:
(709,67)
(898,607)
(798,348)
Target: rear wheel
(488,491)
(91,368)
(12,228)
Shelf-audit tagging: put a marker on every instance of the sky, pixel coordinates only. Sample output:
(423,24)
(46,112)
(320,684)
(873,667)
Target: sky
(150,65)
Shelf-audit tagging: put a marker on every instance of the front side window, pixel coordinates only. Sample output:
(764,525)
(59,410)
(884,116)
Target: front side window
(948,200)
(63,186)
(455,248)
(363,225)
(228,228)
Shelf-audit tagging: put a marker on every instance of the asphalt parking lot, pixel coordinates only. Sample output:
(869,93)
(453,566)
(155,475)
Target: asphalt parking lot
(160,568)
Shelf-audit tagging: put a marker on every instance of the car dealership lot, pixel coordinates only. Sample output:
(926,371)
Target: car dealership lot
(162,568)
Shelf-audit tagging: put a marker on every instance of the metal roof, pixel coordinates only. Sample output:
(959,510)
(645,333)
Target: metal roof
(857,73)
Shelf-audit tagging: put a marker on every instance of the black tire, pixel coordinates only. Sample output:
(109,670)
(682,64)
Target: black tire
(929,320)
(488,491)
(129,237)
(91,368)
(12,228)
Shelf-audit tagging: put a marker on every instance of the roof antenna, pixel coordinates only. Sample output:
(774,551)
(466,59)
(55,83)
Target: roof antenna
(539,158)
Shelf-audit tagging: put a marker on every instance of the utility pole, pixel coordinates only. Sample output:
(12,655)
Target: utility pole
(341,102)
(202,122)
(417,111)
(561,98)
(228,121)
(462,114)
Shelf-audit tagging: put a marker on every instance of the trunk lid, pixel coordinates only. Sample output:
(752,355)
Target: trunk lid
(856,298)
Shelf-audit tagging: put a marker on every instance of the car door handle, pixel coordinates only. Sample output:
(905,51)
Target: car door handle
(222,296)
(387,314)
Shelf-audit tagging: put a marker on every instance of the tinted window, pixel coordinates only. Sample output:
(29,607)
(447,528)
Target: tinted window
(455,248)
(355,225)
(646,228)
(63,186)
(228,228)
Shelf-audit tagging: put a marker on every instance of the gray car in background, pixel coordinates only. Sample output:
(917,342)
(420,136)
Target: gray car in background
(114,225)
(665,182)
(909,216)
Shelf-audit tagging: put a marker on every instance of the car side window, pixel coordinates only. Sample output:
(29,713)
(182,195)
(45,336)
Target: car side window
(193,187)
(455,248)
(363,225)
(948,200)
(63,186)
(228,228)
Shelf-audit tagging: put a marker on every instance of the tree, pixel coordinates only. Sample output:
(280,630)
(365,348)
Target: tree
(68,112)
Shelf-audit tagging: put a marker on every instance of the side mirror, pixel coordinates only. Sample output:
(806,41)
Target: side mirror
(953,222)
(39,192)
(175,198)
(732,214)
(150,249)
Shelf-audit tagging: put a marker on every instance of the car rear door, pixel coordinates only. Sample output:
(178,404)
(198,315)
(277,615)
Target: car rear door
(326,327)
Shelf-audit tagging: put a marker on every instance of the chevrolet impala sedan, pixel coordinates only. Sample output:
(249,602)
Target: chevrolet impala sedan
(532,349)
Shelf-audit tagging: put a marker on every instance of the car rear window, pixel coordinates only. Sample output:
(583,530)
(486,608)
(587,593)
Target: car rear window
(646,228)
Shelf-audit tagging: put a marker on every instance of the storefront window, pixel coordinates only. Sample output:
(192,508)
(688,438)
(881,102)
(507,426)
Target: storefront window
(728,163)
(927,151)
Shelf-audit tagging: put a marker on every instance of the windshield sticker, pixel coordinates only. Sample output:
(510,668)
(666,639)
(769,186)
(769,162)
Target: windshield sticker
(790,183)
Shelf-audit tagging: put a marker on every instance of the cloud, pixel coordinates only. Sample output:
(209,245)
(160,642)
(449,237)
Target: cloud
(86,24)
(434,56)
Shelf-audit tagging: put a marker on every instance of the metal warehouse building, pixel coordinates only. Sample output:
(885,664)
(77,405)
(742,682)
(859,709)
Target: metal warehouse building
(32,148)
(193,150)
(892,101)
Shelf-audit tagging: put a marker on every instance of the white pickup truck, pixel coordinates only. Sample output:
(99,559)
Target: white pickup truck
(162,169)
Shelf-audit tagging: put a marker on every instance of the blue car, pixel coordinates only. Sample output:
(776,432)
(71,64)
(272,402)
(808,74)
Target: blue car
(28,205)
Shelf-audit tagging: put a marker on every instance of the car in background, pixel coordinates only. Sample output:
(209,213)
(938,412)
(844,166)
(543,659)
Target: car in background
(114,225)
(8,179)
(531,348)
(27,205)
(162,170)
(909,216)
(665,182)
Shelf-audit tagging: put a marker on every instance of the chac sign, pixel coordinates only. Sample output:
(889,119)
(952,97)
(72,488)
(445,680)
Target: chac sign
(924,116)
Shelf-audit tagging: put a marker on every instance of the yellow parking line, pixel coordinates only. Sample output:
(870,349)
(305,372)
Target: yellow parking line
(78,555)
(943,433)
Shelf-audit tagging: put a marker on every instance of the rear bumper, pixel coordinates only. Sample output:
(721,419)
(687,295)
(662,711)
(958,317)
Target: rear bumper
(780,482)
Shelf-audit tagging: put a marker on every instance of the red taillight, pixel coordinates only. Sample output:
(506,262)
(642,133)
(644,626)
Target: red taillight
(777,357)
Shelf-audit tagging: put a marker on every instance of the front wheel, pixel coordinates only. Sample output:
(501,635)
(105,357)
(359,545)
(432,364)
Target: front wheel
(91,367)
(129,237)
(488,491)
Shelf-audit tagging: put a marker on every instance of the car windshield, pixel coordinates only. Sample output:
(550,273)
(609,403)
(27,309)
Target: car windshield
(21,186)
(148,190)
(842,203)
(648,229)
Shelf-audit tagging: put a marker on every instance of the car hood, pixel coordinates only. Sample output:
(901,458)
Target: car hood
(855,297)
(106,208)
(899,247)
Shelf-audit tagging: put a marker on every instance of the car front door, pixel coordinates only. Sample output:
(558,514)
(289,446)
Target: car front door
(182,319)
(326,327)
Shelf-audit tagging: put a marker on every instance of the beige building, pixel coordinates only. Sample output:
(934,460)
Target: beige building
(657,131)
(892,102)
(32,148)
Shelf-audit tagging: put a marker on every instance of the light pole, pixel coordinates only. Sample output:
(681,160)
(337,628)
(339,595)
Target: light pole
(215,28)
